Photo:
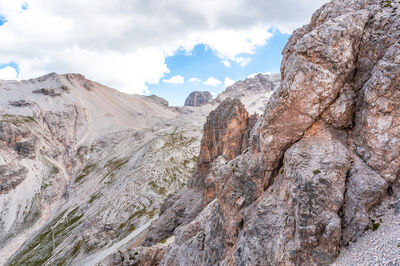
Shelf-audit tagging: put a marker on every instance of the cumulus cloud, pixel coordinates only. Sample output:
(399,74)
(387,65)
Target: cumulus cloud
(194,80)
(178,79)
(8,73)
(123,44)
(228,82)
(211,81)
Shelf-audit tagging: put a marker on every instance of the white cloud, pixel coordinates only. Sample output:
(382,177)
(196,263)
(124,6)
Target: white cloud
(124,43)
(242,61)
(211,81)
(8,73)
(226,63)
(194,80)
(228,82)
(178,79)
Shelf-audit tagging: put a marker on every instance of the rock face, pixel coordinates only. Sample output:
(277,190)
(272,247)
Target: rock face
(224,136)
(198,98)
(321,158)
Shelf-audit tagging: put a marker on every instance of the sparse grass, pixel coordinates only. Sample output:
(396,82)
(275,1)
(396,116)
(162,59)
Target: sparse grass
(76,248)
(94,197)
(55,170)
(17,120)
(159,190)
(316,172)
(113,167)
(85,172)
(176,140)
(42,246)
(375,226)
(166,239)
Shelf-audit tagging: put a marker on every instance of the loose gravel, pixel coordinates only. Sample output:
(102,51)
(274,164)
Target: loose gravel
(379,247)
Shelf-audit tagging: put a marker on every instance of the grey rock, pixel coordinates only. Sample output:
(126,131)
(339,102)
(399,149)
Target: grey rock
(198,98)
(364,189)
(296,221)
(11,175)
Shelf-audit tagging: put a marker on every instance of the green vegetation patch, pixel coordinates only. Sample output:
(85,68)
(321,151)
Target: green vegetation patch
(316,172)
(76,248)
(375,226)
(113,167)
(55,170)
(176,140)
(17,120)
(94,197)
(41,248)
(85,172)
(166,239)
(159,190)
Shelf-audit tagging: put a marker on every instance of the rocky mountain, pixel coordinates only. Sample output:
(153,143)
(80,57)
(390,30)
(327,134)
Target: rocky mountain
(84,169)
(198,98)
(316,173)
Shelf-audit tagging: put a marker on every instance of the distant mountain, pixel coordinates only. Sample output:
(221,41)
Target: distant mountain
(198,98)
(254,91)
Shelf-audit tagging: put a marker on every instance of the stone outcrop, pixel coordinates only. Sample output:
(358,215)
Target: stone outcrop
(225,136)
(20,140)
(198,98)
(11,176)
(320,159)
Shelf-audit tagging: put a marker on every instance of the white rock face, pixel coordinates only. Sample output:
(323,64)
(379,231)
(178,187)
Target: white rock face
(85,168)
(254,92)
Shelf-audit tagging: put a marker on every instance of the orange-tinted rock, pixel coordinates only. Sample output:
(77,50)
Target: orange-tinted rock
(224,134)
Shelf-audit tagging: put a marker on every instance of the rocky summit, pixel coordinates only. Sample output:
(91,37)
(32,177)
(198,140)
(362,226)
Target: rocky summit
(198,98)
(313,178)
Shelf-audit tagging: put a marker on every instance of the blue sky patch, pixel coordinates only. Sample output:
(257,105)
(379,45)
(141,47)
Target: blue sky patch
(11,64)
(2,20)
(24,6)
(202,63)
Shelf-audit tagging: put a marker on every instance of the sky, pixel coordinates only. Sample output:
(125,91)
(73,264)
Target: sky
(164,47)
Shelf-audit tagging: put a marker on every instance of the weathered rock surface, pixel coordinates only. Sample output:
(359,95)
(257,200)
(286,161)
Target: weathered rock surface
(225,135)
(11,176)
(322,158)
(198,98)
